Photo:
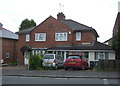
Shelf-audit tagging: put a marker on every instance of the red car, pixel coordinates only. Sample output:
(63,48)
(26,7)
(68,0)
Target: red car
(75,62)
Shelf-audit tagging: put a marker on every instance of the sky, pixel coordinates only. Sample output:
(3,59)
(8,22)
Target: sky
(99,14)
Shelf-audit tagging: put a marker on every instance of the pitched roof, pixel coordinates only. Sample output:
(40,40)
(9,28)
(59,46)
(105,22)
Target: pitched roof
(75,26)
(70,23)
(4,33)
(28,30)
(110,39)
(95,46)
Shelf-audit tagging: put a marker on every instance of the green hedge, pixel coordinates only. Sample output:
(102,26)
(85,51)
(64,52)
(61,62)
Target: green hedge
(35,62)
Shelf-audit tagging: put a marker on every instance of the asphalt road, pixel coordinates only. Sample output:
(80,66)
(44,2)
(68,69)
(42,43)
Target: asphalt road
(40,80)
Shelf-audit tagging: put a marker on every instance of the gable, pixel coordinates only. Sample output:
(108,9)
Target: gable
(51,24)
(69,24)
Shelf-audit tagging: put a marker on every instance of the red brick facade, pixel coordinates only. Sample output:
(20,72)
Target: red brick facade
(51,26)
(8,47)
(117,24)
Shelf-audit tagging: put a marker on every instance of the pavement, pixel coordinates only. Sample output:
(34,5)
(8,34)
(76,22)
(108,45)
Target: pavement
(60,73)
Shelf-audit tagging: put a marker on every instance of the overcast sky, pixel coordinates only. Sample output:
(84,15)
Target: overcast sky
(99,14)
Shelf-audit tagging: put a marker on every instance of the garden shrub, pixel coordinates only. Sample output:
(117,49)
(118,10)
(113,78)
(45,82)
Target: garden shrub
(35,62)
(12,63)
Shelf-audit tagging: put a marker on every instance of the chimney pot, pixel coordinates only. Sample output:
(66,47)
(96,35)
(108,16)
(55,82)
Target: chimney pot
(60,16)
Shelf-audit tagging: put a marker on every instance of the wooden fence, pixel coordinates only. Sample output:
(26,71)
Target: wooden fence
(106,65)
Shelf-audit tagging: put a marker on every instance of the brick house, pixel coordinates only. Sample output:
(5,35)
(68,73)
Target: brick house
(117,21)
(62,36)
(117,24)
(115,28)
(8,42)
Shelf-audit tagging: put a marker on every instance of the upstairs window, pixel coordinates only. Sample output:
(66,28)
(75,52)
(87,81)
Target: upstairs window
(40,37)
(61,36)
(78,36)
(27,37)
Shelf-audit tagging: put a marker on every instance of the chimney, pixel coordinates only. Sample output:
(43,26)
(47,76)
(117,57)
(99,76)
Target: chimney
(60,16)
(119,6)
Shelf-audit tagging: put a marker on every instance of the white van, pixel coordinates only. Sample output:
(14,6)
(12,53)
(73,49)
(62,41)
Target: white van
(52,60)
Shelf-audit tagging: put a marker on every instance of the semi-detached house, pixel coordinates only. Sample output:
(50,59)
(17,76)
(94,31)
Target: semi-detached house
(64,37)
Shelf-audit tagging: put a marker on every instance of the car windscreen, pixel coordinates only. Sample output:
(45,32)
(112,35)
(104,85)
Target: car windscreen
(48,57)
(74,57)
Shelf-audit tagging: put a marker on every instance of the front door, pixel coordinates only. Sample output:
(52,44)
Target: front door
(26,55)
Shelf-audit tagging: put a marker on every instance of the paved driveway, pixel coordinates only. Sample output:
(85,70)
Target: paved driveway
(22,71)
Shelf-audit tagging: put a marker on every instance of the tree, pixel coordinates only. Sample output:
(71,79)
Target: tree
(116,43)
(27,24)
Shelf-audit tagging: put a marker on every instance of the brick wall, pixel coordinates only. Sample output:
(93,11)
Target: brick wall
(8,46)
(51,26)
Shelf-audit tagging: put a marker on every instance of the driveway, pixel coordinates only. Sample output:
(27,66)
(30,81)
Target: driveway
(22,71)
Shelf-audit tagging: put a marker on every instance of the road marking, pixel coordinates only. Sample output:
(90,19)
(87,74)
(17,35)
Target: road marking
(105,81)
(60,78)
(29,77)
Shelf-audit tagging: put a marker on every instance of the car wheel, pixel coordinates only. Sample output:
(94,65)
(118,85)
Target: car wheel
(66,68)
(56,67)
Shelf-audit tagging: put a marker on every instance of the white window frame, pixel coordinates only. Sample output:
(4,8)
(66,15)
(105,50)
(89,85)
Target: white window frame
(27,37)
(7,55)
(38,35)
(78,36)
(62,36)
(101,55)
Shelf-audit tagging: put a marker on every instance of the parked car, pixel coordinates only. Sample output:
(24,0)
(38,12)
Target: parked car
(75,62)
(52,60)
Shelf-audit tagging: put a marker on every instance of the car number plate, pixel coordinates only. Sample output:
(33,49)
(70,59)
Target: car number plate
(71,62)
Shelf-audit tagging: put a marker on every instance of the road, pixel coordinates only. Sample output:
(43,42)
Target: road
(46,80)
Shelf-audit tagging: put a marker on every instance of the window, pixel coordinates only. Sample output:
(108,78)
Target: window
(78,36)
(61,36)
(86,54)
(7,55)
(48,57)
(101,55)
(96,56)
(27,37)
(106,55)
(40,37)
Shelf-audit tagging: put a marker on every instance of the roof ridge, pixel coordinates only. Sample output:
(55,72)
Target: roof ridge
(79,23)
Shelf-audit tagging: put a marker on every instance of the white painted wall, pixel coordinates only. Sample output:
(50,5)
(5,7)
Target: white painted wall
(91,56)
(112,56)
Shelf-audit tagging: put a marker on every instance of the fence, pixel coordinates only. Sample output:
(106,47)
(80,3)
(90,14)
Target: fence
(106,65)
